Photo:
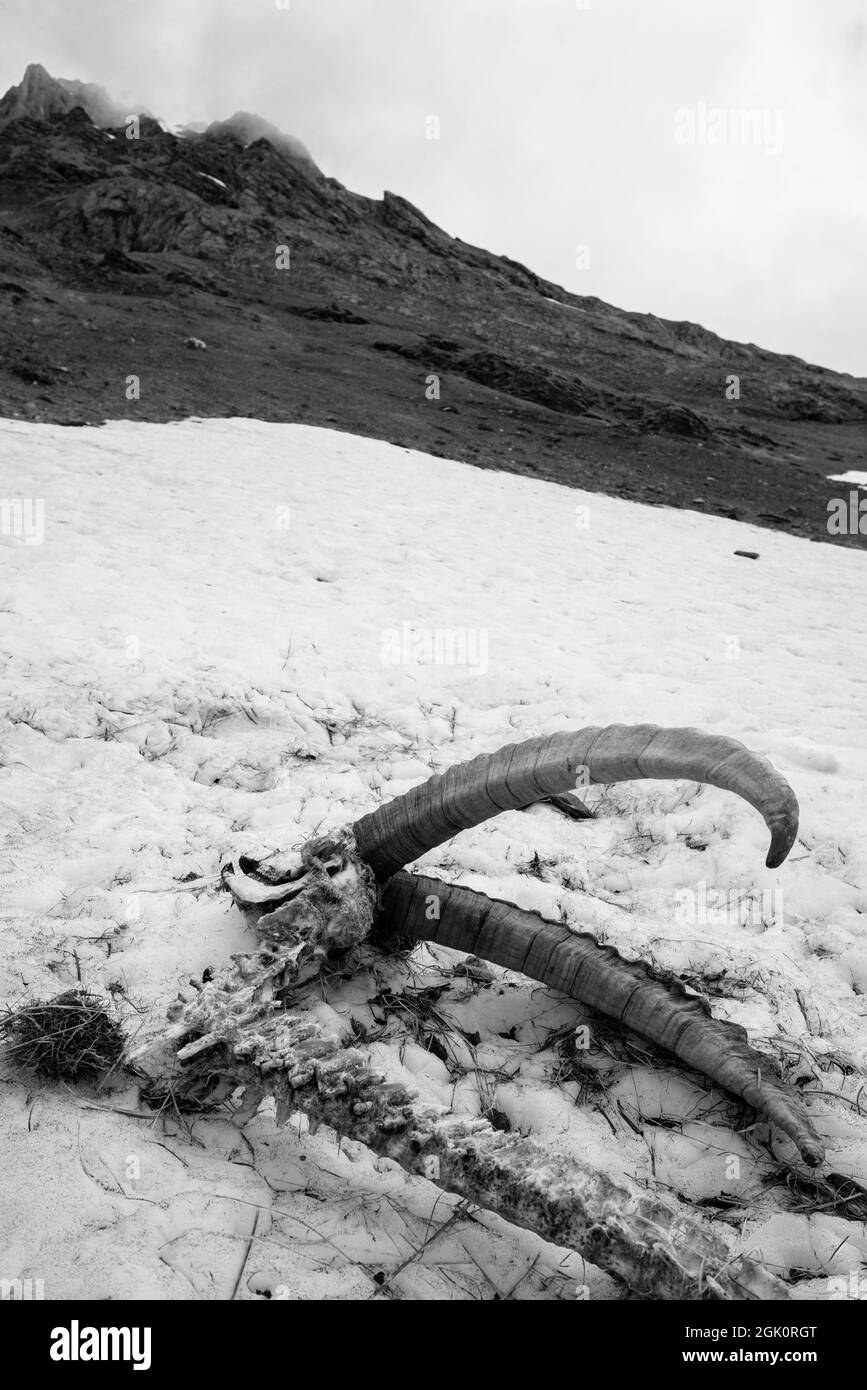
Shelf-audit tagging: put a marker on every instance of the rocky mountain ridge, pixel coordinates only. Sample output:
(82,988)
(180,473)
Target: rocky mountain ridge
(39,96)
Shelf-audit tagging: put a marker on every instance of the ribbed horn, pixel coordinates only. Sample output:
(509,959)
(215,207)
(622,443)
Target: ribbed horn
(521,773)
(597,975)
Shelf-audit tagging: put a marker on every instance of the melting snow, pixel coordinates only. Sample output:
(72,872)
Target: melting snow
(859,479)
(227,634)
(576,307)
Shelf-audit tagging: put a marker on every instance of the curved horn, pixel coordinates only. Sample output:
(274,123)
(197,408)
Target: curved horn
(515,776)
(580,967)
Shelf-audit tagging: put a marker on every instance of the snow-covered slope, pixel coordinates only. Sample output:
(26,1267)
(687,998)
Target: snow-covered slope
(229,634)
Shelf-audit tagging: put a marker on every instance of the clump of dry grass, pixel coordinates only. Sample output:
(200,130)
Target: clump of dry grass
(832,1193)
(70,1036)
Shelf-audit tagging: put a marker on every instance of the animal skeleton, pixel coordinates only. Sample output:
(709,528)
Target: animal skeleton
(314,906)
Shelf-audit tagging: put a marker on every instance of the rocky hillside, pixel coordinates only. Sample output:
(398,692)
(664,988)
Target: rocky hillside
(119,240)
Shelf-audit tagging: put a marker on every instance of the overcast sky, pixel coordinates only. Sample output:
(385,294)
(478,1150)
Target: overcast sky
(563,124)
